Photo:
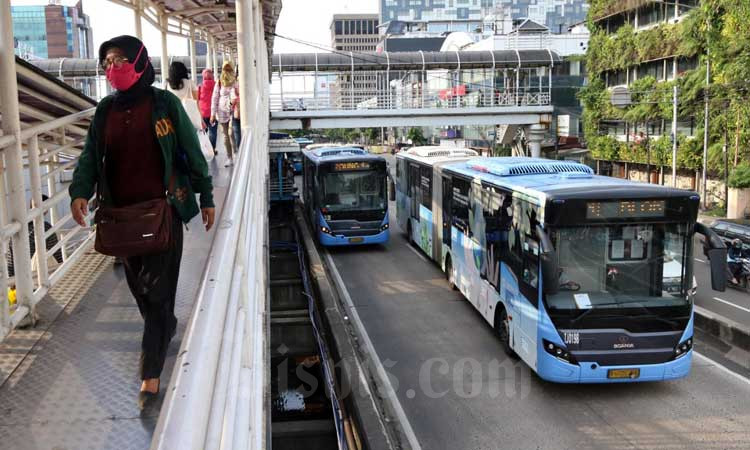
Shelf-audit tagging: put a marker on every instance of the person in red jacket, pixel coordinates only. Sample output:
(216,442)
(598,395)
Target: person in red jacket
(205,91)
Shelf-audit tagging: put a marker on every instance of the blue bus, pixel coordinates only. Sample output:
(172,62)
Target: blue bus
(588,279)
(344,191)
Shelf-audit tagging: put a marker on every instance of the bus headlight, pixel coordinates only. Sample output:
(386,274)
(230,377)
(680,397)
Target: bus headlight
(326,230)
(384,227)
(682,348)
(558,352)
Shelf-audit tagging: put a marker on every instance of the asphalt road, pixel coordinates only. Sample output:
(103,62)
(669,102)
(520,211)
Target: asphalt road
(733,304)
(460,391)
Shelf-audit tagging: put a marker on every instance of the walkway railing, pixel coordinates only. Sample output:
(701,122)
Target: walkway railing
(50,153)
(393,90)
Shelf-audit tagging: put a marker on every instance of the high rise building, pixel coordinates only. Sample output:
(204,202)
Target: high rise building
(354,32)
(52,31)
(555,14)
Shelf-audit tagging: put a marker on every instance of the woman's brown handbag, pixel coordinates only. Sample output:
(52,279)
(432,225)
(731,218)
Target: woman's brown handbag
(136,230)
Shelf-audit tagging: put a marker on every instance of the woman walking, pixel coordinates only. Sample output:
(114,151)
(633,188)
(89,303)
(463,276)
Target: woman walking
(225,96)
(143,132)
(205,93)
(179,82)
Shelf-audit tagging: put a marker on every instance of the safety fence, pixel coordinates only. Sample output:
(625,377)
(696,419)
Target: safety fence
(37,250)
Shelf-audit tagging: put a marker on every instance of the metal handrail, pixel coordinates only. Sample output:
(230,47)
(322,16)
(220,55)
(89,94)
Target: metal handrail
(210,399)
(39,281)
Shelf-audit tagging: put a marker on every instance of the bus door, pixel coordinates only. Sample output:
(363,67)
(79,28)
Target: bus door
(447,205)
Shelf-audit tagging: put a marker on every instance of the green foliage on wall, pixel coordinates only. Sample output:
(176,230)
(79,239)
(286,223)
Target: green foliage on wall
(720,28)
(740,178)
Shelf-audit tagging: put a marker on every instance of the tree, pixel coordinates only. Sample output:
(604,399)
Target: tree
(416,137)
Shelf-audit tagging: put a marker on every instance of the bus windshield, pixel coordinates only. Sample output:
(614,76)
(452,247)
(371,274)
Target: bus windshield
(621,266)
(361,190)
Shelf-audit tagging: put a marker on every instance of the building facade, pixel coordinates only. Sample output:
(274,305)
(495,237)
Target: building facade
(52,31)
(556,14)
(354,32)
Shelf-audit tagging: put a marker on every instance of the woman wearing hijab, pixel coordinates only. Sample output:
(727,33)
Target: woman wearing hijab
(226,93)
(205,92)
(145,134)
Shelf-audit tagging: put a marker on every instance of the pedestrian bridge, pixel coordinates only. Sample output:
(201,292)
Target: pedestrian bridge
(344,89)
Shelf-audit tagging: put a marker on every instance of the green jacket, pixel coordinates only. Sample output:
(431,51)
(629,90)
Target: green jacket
(174,131)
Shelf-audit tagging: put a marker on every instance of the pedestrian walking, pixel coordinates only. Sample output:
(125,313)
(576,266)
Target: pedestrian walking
(142,132)
(225,96)
(183,87)
(205,93)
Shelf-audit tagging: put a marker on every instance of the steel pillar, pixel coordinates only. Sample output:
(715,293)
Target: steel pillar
(164,54)
(245,54)
(534,135)
(137,12)
(193,58)
(14,176)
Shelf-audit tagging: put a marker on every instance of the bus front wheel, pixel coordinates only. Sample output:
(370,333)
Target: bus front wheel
(408,231)
(502,325)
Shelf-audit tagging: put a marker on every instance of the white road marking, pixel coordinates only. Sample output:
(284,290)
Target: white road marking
(417,252)
(722,368)
(732,304)
(699,260)
(379,369)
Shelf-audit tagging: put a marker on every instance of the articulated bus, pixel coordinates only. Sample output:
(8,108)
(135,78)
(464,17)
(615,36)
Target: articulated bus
(344,192)
(416,168)
(588,279)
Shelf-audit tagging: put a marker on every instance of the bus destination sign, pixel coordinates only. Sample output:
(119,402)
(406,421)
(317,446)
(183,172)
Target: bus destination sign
(354,165)
(625,209)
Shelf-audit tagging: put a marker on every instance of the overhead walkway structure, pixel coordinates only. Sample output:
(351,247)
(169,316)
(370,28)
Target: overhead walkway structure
(71,338)
(346,89)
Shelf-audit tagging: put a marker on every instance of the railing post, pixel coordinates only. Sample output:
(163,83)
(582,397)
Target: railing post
(518,75)
(36,195)
(11,126)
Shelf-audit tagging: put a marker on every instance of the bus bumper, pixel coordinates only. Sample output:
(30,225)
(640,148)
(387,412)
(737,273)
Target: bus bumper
(339,240)
(553,369)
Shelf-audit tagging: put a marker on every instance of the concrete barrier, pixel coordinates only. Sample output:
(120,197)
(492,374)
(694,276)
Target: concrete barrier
(724,329)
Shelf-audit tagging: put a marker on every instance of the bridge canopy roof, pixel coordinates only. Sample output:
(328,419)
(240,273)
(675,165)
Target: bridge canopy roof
(343,61)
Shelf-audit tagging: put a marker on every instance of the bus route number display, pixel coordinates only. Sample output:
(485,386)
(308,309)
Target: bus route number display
(354,165)
(625,209)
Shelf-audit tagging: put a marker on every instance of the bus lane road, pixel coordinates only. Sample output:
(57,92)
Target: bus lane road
(460,391)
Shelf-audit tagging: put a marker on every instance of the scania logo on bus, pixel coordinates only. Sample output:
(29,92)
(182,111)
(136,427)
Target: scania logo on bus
(623,342)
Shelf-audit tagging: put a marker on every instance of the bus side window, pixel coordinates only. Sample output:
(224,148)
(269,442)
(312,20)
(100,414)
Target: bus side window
(524,248)
(495,235)
(426,187)
(447,210)
(460,204)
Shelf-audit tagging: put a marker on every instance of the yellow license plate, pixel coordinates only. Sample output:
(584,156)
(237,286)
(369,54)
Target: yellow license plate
(356,240)
(624,373)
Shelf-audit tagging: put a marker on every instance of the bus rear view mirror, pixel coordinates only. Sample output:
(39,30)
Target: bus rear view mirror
(391,190)
(717,255)
(548,260)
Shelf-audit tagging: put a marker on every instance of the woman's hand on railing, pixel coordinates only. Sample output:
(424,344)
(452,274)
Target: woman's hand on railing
(80,209)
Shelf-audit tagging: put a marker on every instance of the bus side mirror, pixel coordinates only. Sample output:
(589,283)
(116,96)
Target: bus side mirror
(391,190)
(548,260)
(717,256)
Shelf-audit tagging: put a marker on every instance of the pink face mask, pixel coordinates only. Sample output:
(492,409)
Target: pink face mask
(124,77)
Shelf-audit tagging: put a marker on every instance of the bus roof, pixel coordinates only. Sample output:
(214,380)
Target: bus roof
(336,153)
(285,145)
(431,155)
(554,179)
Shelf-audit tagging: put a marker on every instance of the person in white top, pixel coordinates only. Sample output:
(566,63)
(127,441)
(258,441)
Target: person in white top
(179,84)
